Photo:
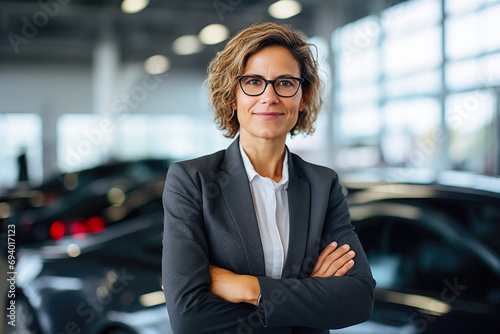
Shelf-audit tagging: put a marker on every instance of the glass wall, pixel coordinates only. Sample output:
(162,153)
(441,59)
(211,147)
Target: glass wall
(87,140)
(414,87)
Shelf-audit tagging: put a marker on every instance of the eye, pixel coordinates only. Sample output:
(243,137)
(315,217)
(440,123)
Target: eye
(252,81)
(286,82)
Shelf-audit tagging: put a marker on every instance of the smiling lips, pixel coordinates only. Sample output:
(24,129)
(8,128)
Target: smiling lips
(268,115)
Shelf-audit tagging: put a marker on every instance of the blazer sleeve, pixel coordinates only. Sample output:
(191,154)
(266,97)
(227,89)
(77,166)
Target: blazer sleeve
(192,308)
(330,302)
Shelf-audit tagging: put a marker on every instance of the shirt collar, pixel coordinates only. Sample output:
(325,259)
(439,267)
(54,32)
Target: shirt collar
(251,173)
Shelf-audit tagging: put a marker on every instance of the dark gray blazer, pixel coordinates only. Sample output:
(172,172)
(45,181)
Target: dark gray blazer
(210,219)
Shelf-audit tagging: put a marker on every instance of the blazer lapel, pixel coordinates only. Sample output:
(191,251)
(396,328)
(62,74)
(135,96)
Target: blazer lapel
(299,202)
(238,197)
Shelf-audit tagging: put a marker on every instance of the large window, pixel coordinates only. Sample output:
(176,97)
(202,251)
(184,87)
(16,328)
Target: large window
(472,50)
(470,119)
(87,140)
(176,136)
(398,83)
(82,140)
(357,68)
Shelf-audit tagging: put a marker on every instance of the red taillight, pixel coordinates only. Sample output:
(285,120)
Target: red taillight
(57,230)
(78,229)
(95,224)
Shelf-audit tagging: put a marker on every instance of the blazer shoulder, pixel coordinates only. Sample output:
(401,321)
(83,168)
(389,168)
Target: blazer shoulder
(201,165)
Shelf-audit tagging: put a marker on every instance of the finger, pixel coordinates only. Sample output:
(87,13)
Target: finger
(322,267)
(332,257)
(334,262)
(342,271)
(321,258)
(339,263)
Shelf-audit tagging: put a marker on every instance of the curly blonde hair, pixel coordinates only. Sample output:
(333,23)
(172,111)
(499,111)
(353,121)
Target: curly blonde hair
(230,62)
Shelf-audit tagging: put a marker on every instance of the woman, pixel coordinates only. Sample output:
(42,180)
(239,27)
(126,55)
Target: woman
(256,240)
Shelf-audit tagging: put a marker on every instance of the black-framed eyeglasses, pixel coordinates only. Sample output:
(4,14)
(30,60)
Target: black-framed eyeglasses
(253,85)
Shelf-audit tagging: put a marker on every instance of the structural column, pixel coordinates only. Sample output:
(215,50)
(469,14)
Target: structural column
(105,65)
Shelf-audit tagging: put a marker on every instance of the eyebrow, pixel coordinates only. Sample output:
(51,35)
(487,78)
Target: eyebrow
(279,76)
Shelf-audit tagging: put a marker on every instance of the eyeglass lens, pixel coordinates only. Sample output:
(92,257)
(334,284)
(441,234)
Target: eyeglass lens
(285,87)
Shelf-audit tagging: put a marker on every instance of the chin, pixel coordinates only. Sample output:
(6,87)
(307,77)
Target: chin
(271,134)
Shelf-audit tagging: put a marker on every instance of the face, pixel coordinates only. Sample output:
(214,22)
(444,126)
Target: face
(269,116)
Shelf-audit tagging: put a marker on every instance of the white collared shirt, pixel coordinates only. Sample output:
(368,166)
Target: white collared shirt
(271,208)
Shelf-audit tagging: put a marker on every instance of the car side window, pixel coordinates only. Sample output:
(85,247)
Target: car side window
(410,258)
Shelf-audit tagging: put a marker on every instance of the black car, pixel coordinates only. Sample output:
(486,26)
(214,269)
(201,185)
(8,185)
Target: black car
(72,215)
(64,204)
(434,251)
(104,282)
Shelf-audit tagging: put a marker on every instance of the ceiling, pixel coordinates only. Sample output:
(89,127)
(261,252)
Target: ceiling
(67,30)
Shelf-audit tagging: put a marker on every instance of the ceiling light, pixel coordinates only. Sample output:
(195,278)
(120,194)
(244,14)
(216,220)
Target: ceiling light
(186,45)
(134,6)
(284,9)
(213,34)
(156,64)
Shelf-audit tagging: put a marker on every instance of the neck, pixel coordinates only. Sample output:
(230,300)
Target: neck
(266,156)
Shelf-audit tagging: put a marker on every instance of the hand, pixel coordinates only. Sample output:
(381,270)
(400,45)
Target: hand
(232,287)
(334,261)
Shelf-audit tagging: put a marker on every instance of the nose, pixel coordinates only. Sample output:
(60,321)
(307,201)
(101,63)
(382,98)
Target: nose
(269,95)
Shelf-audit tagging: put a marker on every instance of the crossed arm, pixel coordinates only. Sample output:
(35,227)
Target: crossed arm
(235,288)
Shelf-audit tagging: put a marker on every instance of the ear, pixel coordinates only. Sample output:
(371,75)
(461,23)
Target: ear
(304,100)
